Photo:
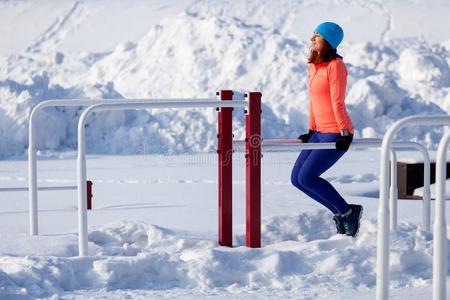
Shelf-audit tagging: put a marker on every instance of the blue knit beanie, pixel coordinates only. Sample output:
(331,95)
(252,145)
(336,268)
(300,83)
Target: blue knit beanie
(331,32)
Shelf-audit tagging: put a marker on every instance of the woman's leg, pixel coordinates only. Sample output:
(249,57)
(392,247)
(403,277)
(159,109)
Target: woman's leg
(303,156)
(316,163)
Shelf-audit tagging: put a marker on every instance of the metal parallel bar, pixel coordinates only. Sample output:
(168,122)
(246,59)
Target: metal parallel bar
(81,160)
(131,105)
(393,197)
(440,224)
(383,233)
(32,137)
(44,188)
(295,144)
(426,197)
(297,141)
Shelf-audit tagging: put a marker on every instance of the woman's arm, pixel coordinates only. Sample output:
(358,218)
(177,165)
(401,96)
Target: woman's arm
(337,76)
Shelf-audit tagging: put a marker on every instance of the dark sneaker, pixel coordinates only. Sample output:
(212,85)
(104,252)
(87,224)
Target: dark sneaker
(351,222)
(339,226)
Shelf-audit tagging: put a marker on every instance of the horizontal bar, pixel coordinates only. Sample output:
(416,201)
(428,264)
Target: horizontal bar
(297,141)
(296,144)
(290,144)
(383,233)
(88,102)
(129,105)
(44,188)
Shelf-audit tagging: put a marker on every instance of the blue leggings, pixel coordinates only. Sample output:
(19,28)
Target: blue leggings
(310,165)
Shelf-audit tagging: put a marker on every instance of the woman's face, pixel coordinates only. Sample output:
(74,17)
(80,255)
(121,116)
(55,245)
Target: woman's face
(317,42)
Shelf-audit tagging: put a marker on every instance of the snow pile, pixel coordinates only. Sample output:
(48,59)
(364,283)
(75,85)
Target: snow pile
(417,67)
(211,46)
(253,57)
(300,252)
(56,126)
(419,191)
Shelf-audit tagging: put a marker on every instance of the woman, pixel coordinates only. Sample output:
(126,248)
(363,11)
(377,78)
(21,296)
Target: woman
(328,122)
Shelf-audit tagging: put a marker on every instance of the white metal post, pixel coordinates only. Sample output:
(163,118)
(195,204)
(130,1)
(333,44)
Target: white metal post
(32,162)
(383,235)
(289,144)
(32,137)
(426,203)
(393,198)
(81,160)
(440,224)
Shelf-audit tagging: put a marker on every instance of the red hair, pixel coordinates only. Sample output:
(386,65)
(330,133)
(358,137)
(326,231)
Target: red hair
(326,54)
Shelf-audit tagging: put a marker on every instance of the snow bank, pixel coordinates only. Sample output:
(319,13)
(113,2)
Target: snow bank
(419,191)
(56,126)
(299,252)
(201,50)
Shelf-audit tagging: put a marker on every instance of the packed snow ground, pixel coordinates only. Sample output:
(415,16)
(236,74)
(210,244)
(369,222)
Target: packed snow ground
(153,234)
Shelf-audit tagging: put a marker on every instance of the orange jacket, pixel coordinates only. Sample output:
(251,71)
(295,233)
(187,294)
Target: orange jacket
(326,85)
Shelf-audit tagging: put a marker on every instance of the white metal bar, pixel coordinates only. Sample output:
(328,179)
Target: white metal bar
(81,160)
(295,144)
(32,161)
(440,224)
(393,191)
(383,234)
(290,144)
(297,141)
(426,197)
(42,188)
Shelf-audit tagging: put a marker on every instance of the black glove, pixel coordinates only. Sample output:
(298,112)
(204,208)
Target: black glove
(343,142)
(305,137)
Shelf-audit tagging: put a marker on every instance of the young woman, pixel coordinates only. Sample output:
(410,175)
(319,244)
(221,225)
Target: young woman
(328,122)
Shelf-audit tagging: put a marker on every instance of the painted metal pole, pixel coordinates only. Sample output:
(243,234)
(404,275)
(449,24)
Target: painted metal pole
(81,160)
(383,234)
(32,137)
(426,195)
(253,171)
(225,165)
(440,224)
(393,198)
(426,198)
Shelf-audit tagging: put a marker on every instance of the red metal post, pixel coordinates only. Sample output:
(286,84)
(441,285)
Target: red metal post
(89,194)
(253,171)
(225,151)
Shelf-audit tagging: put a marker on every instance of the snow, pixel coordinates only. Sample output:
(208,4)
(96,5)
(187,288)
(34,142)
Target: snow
(134,255)
(153,229)
(152,234)
(419,191)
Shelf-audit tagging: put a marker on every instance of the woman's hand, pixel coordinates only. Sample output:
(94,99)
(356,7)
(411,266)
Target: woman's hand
(343,142)
(305,137)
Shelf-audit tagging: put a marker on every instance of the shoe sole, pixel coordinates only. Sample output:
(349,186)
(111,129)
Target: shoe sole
(359,223)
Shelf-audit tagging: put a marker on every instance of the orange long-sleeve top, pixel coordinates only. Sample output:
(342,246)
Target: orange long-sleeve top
(327,83)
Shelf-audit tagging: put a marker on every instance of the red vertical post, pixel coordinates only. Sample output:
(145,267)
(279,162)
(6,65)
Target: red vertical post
(253,171)
(89,194)
(225,151)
